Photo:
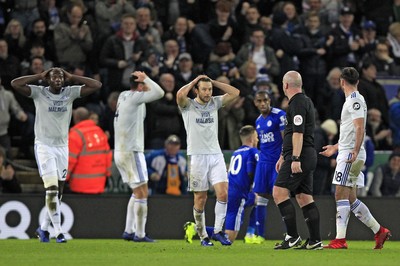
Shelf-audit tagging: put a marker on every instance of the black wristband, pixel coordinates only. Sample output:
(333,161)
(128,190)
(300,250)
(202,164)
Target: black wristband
(295,158)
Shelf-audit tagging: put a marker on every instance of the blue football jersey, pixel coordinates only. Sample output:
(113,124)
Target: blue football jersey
(269,133)
(242,169)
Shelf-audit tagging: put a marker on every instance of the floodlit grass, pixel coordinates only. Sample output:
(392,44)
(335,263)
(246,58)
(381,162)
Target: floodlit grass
(176,252)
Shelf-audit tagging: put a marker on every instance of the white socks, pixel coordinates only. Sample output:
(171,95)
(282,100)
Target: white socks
(141,217)
(53,210)
(362,212)
(342,217)
(220,214)
(200,219)
(130,216)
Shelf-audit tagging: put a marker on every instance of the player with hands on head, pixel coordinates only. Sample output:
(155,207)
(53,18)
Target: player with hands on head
(53,116)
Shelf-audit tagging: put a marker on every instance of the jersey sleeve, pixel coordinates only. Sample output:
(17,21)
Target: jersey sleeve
(356,108)
(155,92)
(218,101)
(35,90)
(282,120)
(299,114)
(252,162)
(76,91)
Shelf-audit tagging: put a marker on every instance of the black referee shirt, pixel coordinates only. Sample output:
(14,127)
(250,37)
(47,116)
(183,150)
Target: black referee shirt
(300,117)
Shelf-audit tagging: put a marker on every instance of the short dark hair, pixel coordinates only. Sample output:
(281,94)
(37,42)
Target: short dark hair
(263,92)
(350,75)
(132,81)
(196,86)
(246,131)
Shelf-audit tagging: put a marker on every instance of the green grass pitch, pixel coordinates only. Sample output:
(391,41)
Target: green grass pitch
(115,252)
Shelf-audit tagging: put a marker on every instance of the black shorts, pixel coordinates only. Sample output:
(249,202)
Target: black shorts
(301,182)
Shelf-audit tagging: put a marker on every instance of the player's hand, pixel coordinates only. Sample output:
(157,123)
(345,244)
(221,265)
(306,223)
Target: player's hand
(328,150)
(279,164)
(353,156)
(44,74)
(296,167)
(140,76)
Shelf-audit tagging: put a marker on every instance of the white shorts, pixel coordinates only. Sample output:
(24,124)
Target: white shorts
(349,174)
(132,167)
(205,169)
(52,159)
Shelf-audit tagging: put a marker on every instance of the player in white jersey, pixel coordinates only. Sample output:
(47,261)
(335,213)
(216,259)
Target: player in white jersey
(206,161)
(53,116)
(129,148)
(350,161)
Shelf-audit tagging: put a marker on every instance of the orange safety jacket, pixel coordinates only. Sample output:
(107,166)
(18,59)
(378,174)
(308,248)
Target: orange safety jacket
(89,158)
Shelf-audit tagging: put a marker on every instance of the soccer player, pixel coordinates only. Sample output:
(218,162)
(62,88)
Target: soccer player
(53,116)
(269,125)
(241,176)
(206,162)
(296,166)
(129,148)
(350,161)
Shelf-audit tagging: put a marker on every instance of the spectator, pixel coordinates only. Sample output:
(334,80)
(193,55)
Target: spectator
(73,41)
(293,18)
(259,53)
(373,92)
(109,14)
(15,37)
(313,65)
(221,62)
(385,65)
(316,6)
(379,131)
(8,181)
(393,39)
(394,118)
(147,31)
(164,118)
(89,162)
(26,12)
(167,169)
(169,60)
(121,54)
(50,13)
(368,39)
(185,71)
(346,45)
(107,123)
(223,27)
(151,64)
(40,35)
(248,22)
(8,106)
(37,51)
(386,180)
(180,32)
(9,65)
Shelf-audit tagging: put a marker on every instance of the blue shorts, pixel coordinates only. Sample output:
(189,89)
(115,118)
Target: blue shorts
(264,178)
(237,202)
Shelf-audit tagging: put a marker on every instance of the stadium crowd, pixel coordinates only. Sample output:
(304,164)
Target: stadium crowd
(249,44)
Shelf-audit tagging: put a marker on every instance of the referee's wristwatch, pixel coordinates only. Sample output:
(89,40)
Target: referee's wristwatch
(295,158)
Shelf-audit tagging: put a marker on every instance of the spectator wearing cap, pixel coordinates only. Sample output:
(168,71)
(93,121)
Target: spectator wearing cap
(167,169)
(386,180)
(185,72)
(324,135)
(368,39)
(346,45)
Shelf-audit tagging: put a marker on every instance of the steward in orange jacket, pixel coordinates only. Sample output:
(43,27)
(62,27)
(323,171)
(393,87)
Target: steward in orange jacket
(89,155)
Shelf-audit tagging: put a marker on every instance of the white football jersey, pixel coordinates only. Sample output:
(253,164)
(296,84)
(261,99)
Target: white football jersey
(53,114)
(353,108)
(130,115)
(201,124)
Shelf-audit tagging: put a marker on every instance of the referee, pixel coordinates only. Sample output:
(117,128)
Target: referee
(296,166)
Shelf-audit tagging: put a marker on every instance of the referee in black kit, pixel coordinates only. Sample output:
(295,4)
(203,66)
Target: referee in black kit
(296,166)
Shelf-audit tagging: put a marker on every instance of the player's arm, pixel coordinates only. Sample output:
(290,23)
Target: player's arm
(181,96)
(90,85)
(20,84)
(155,92)
(329,150)
(359,135)
(231,92)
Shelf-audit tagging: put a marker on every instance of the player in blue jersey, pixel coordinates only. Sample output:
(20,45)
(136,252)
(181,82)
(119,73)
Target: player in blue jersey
(241,173)
(270,126)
